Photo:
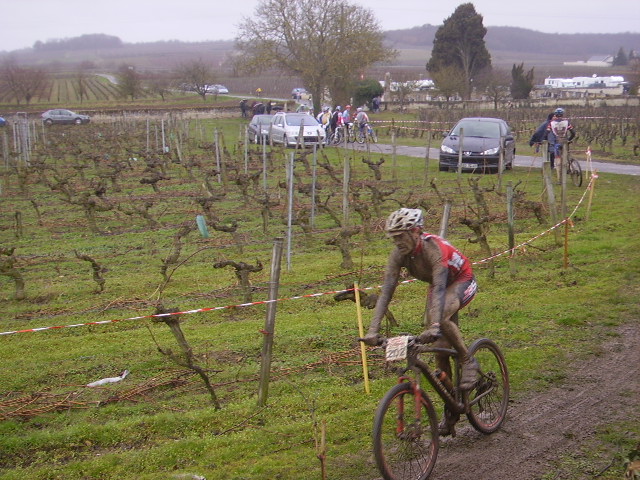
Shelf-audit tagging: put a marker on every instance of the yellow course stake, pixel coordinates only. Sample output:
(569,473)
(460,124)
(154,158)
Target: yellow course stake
(363,348)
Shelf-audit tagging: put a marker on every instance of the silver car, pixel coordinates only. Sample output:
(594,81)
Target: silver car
(60,115)
(259,127)
(285,129)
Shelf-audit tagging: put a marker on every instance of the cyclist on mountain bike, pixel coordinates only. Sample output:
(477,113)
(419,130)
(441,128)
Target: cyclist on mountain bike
(362,119)
(546,132)
(431,259)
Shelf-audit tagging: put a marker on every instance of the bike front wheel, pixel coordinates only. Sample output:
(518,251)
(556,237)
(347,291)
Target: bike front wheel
(575,172)
(489,398)
(405,434)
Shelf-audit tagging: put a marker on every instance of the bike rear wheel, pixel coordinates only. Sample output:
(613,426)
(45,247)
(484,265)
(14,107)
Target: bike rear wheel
(575,172)
(405,434)
(373,136)
(490,395)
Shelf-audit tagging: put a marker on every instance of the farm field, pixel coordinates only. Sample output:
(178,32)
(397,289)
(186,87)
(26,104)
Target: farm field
(101,227)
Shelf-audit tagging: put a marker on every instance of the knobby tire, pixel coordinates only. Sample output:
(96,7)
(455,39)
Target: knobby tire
(487,415)
(575,172)
(405,444)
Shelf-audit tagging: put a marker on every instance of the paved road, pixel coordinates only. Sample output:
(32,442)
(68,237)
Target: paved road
(521,160)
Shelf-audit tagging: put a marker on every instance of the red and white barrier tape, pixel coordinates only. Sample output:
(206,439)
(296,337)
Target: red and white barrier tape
(310,295)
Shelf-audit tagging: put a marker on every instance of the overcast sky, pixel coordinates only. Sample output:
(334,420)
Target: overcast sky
(23,22)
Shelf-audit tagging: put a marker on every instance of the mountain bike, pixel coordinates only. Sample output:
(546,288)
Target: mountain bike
(405,428)
(366,134)
(336,137)
(574,170)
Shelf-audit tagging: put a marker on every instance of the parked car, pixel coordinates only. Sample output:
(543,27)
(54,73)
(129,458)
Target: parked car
(3,122)
(217,89)
(285,129)
(482,141)
(259,127)
(60,115)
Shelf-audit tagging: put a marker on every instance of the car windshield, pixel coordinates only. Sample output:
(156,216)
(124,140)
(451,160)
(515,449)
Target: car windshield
(478,129)
(306,120)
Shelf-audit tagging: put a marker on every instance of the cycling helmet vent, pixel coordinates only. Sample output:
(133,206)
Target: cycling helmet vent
(559,112)
(404,219)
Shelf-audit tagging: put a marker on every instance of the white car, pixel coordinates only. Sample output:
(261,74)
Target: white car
(217,89)
(285,129)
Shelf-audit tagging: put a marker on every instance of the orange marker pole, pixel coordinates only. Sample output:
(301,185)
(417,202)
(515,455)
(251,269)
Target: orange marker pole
(363,349)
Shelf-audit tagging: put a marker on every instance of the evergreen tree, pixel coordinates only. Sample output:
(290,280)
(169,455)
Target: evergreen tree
(621,58)
(521,82)
(459,43)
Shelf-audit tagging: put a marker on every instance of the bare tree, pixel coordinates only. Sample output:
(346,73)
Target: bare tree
(327,43)
(495,84)
(129,82)
(198,75)
(449,81)
(160,85)
(24,83)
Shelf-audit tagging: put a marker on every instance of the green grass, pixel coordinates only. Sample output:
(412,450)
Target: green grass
(542,318)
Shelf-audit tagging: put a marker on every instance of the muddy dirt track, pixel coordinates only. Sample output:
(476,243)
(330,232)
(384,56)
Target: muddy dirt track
(541,427)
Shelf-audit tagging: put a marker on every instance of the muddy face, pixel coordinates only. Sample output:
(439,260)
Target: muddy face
(405,242)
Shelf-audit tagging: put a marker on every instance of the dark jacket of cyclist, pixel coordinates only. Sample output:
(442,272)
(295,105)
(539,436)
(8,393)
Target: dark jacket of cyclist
(545,132)
(452,284)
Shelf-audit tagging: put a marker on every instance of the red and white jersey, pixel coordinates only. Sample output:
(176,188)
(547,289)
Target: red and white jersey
(458,265)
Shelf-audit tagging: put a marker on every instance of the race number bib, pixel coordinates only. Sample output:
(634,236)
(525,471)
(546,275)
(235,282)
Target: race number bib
(397,349)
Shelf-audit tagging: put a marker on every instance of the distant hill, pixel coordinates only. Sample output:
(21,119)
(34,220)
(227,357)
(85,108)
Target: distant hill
(527,41)
(507,45)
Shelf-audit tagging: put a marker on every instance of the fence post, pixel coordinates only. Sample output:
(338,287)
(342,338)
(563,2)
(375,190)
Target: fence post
(592,187)
(346,174)
(460,148)
(563,177)
(394,159)
(426,160)
(314,180)
(511,229)
(270,322)
(551,198)
(290,180)
(500,164)
(444,222)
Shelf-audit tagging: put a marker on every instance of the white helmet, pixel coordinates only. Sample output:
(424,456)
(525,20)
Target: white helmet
(404,219)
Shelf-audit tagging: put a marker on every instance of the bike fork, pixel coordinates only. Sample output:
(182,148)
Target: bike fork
(417,408)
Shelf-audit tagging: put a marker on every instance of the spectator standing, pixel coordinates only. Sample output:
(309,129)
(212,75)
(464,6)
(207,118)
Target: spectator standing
(244,107)
(376,103)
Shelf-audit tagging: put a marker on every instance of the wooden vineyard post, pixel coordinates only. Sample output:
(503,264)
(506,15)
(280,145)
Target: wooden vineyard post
(511,229)
(565,260)
(426,160)
(551,198)
(444,222)
(270,322)
(460,148)
(592,187)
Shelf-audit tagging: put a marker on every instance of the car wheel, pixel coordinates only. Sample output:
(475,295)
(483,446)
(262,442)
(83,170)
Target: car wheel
(48,121)
(78,121)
